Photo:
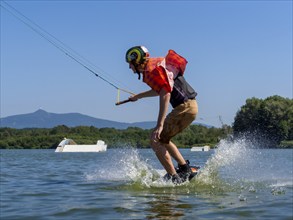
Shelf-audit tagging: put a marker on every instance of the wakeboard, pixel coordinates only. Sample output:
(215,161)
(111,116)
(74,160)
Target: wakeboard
(194,172)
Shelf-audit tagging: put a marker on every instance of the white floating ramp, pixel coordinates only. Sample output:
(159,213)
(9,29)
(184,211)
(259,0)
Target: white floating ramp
(203,148)
(68,145)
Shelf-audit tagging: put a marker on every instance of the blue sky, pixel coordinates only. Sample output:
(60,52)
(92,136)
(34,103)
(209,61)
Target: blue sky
(235,50)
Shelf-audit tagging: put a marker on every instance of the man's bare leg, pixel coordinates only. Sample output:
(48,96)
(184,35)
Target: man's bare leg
(175,153)
(164,157)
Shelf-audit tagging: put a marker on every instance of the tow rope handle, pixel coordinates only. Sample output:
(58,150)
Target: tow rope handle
(122,102)
(118,97)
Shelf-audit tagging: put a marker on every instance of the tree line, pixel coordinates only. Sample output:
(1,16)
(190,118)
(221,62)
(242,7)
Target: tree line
(41,138)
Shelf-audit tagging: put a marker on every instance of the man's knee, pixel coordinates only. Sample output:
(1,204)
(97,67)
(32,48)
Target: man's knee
(158,145)
(155,144)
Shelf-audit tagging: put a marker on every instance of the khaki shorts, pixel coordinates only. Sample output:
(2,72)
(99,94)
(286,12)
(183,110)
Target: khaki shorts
(178,119)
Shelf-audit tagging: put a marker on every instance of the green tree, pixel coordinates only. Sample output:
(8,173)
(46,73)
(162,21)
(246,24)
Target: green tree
(269,120)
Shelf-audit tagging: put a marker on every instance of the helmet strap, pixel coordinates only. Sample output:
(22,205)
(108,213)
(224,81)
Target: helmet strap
(136,70)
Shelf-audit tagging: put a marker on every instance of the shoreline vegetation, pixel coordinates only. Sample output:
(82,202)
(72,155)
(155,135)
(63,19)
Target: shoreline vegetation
(49,138)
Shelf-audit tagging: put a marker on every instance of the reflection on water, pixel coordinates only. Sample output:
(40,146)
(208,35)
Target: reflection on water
(165,207)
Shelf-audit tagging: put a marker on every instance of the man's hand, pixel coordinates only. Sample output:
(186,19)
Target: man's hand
(156,134)
(133,98)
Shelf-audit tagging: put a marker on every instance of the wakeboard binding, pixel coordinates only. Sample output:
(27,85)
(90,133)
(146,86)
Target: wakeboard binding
(183,173)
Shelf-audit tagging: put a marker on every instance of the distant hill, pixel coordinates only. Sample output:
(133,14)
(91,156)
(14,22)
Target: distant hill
(43,119)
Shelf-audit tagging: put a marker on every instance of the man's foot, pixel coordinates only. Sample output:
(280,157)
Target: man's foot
(167,177)
(176,179)
(184,171)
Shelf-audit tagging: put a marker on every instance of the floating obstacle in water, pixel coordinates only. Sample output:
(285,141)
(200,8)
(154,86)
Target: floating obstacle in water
(68,145)
(203,148)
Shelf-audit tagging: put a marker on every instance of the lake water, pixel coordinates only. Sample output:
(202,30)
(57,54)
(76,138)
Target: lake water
(236,182)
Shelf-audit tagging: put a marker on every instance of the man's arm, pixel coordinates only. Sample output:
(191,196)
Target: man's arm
(164,103)
(149,93)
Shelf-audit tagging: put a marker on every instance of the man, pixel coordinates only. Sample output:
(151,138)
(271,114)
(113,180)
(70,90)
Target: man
(165,77)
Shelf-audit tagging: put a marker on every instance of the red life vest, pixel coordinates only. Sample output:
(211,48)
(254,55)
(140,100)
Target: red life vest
(155,74)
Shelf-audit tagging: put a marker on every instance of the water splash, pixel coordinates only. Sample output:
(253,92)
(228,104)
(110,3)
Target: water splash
(235,166)
(126,165)
(138,170)
(238,164)
(228,155)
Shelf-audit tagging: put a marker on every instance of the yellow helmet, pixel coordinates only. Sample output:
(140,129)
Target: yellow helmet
(137,55)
